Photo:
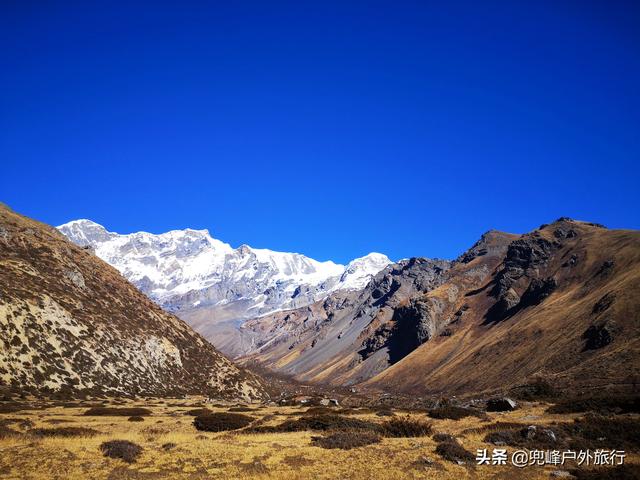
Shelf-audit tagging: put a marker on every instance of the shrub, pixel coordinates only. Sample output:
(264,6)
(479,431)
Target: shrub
(122,449)
(297,461)
(136,418)
(454,452)
(10,408)
(603,405)
(385,412)
(347,440)
(493,427)
(117,412)
(252,468)
(317,422)
(443,437)
(538,389)
(7,432)
(64,432)
(405,427)
(221,421)
(241,408)
(627,471)
(197,412)
(318,411)
(592,432)
(452,412)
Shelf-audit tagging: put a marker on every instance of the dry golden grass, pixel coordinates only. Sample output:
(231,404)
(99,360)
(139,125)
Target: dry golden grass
(231,455)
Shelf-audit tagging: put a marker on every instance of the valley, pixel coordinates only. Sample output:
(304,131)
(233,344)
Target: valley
(412,371)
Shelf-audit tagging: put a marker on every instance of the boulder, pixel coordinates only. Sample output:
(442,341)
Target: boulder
(502,404)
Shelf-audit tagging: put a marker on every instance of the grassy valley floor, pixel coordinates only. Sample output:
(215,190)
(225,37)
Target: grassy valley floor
(173,448)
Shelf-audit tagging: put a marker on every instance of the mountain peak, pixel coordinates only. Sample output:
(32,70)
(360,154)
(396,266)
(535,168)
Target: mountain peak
(188,271)
(360,271)
(85,232)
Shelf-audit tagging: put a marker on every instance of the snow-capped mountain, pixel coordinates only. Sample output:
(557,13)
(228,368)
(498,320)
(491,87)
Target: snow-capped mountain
(208,282)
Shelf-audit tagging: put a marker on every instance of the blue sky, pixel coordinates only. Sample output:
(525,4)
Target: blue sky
(330,128)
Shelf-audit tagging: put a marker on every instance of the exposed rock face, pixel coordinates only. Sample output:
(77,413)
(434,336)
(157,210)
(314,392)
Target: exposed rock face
(502,404)
(351,336)
(597,336)
(215,287)
(559,303)
(71,325)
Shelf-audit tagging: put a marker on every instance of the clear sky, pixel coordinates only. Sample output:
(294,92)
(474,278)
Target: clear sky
(328,128)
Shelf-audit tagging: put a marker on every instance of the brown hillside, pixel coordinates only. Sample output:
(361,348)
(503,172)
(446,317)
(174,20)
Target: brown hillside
(72,325)
(562,304)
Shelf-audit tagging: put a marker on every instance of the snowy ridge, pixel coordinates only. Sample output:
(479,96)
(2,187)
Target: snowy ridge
(189,269)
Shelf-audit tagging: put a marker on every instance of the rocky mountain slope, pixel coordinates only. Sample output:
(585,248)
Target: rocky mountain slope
(71,325)
(560,303)
(215,287)
(349,336)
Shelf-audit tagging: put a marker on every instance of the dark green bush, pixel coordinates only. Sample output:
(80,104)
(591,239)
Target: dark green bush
(591,432)
(629,471)
(64,432)
(595,431)
(7,432)
(122,449)
(405,427)
(454,452)
(117,412)
(452,412)
(196,412)
(385,412)
(221,421)
(443,437)
(538,389)
(347,440)
(322,422)
(241,408)
(603,405)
